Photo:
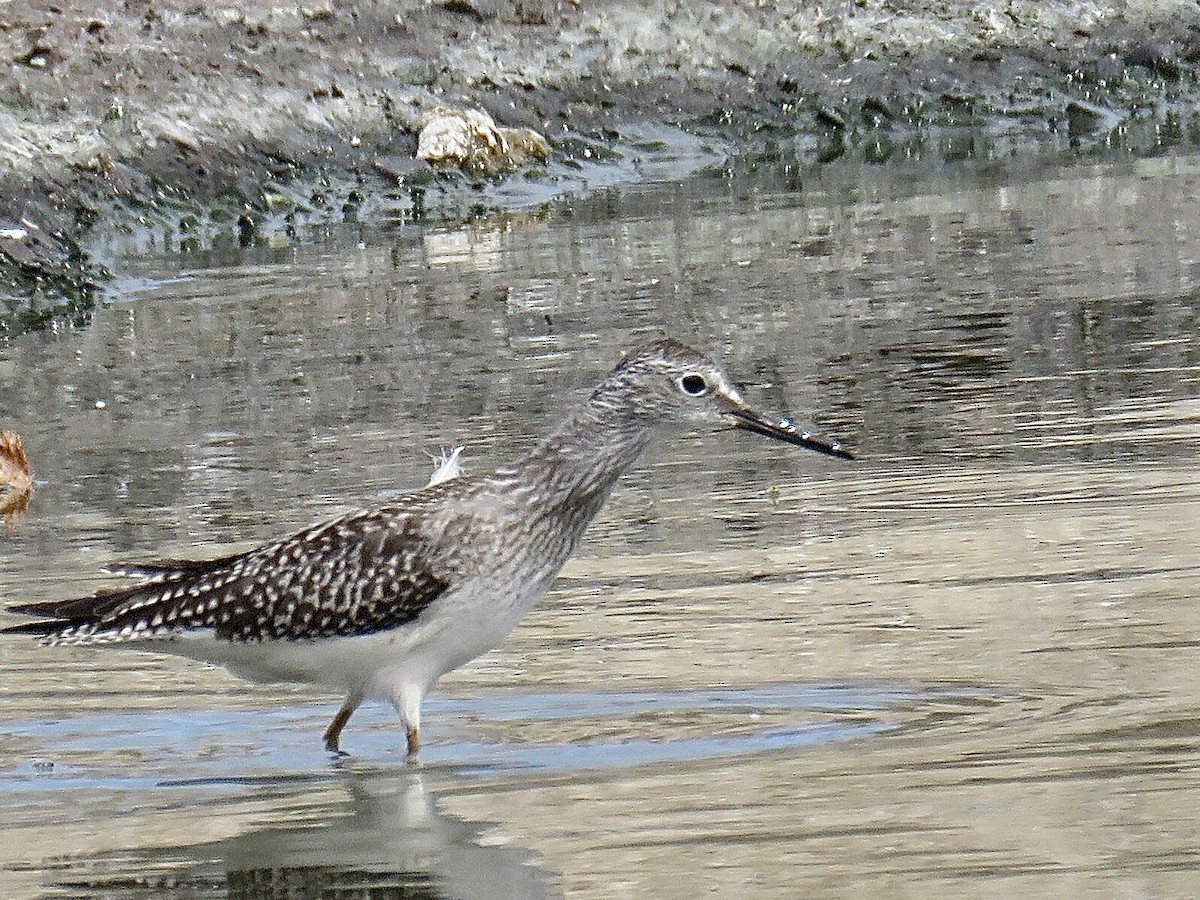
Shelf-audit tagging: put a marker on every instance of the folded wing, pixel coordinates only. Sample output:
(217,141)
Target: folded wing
(359,574)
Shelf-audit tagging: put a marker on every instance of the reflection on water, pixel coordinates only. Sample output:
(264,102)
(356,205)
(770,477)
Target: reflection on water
(358,826)
(362,834)
(965,665)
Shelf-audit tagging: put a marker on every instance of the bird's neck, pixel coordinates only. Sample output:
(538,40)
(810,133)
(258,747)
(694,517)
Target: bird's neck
(578,463)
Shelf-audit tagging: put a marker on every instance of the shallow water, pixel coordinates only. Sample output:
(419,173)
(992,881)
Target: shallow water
(965,665)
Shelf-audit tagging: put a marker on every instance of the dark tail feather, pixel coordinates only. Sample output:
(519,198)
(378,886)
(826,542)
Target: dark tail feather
(41,608)
(44,628)
(55,617)
(81,608)
(81,611)
(64,613)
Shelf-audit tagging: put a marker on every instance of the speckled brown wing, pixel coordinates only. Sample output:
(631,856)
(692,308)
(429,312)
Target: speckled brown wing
(362,573)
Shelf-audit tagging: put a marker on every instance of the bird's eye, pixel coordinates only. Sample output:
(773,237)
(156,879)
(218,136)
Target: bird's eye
(695,385)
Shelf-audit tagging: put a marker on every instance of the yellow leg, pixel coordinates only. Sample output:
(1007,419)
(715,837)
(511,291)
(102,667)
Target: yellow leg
(334,731)
(414,740)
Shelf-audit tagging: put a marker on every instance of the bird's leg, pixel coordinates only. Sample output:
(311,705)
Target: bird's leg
(407,700)
(334,731)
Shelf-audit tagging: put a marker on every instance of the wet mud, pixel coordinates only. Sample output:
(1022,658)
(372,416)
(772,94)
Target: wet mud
(188,125)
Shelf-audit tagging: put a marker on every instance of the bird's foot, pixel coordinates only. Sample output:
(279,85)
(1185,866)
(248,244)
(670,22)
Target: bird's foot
(335,751)
(414,744)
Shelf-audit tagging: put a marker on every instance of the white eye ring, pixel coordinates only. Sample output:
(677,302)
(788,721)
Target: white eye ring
(693,384)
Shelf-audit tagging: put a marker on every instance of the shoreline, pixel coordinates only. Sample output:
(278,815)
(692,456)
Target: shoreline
(187,124)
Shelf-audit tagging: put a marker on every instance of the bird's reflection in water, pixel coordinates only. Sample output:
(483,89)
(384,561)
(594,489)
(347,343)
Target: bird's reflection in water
(386,839)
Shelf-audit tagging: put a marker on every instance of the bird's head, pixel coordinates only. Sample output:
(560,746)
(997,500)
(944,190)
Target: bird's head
(667,381)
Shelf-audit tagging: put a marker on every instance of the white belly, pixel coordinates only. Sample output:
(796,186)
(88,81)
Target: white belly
(461,625)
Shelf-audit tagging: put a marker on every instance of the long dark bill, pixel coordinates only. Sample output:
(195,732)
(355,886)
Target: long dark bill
(786,430)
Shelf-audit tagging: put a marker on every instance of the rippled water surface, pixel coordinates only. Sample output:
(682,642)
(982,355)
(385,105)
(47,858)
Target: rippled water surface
(965,665)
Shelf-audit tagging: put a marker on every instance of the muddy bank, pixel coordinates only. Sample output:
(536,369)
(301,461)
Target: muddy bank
(185,124)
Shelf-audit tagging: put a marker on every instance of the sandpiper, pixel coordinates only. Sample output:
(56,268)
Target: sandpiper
(381,603)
